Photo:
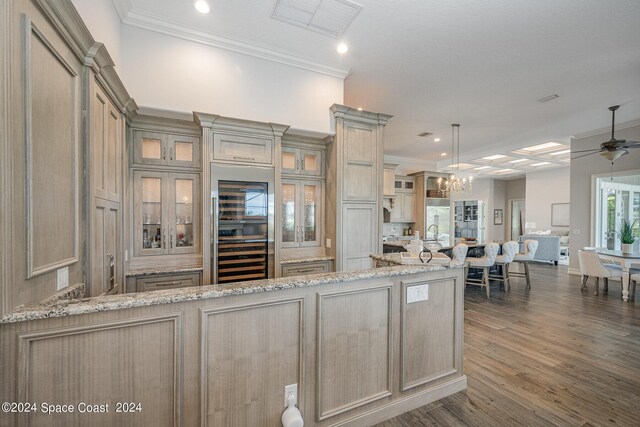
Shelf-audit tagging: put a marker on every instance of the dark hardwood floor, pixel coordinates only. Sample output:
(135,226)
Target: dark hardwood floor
(549,356)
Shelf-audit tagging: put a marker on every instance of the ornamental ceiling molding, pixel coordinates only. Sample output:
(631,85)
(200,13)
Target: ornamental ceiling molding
(135,17)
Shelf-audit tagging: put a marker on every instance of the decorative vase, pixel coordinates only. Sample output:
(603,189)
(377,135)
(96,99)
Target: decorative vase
(627,248)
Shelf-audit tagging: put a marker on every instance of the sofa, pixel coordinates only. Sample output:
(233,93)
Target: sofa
(548,245)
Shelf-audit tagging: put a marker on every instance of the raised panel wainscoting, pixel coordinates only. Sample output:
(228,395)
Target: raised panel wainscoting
(358,351)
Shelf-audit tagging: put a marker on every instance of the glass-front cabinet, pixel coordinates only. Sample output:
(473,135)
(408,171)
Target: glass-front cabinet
(156,148)
(165,213)
(301,161)
(301,213)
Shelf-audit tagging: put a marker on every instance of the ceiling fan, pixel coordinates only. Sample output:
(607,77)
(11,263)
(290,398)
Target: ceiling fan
(612,149)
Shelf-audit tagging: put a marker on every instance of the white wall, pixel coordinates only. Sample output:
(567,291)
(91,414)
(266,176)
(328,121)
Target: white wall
(544,188)
(104,24)
(173,74)
(582,170)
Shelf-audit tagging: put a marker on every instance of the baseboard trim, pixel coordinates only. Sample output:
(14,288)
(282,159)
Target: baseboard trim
(574,272)
(405,404)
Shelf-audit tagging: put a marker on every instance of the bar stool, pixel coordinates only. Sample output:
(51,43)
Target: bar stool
(484,263)
(509,251)
(530,248)
(459,253)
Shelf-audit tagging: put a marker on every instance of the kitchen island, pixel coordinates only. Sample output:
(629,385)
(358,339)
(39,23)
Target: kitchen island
(362,347)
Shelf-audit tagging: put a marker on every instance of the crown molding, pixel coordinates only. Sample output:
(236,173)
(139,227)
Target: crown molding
(607,130)
(147,21)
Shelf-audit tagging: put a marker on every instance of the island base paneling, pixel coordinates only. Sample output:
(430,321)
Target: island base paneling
(353,347)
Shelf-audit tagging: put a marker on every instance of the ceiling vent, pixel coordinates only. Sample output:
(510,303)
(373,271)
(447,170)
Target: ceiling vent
(548,98)
(425,134)
(328,17)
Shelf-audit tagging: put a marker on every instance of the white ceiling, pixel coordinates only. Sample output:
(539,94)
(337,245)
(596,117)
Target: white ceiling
(483,64)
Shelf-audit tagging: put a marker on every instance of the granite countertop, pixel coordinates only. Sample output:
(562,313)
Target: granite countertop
(440,259)
(63,308)
(162,270)
(306,259)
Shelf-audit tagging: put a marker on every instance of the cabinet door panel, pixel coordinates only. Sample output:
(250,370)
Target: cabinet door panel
(150,223)
(407,207)
(241,149)
(289,215)
(149,148)
(183,209)
(311,162)
(104,240)
(359,235)
(396,212)
(184,151)
(290,160)
(113,153)
(310,196)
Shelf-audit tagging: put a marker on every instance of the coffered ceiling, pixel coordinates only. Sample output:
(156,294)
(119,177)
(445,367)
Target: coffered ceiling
(483,64)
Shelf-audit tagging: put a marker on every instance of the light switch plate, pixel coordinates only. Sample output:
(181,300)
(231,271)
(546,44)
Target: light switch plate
(417,293)
(328,245)
(63,278)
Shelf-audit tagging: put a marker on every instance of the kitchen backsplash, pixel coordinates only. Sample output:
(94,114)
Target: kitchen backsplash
(395,228)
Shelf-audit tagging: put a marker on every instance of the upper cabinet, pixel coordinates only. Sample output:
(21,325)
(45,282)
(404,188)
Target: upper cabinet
(302,161)
(388,188)
(165,149)
(243,149)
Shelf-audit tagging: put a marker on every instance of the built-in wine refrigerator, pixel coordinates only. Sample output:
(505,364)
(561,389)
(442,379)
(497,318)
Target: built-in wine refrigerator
(242,228)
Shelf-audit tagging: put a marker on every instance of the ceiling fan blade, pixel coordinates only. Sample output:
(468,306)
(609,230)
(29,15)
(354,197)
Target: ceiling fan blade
(584,155)
(592,150)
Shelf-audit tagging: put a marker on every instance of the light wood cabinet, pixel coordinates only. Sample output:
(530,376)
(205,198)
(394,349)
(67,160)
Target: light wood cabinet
(166,213)
(310,267)
(301,161)
(301,213)
(158,282)
(403,208)
(243,149)
(164,149)
(389,181)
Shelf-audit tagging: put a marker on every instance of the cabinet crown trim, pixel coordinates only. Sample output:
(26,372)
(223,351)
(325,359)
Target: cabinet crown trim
(215,122)
(345,112)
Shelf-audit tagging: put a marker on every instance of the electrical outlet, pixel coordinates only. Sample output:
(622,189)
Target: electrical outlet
(328,245)
(290,389)
(63,278)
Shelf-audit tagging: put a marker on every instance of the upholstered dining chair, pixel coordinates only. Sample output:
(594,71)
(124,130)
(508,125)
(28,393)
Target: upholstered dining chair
(509,251)
(459,253)
(592,266)
(633,280)
(530,248)
(485,262)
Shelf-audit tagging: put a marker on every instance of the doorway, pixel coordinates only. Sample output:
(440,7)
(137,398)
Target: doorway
(617,199)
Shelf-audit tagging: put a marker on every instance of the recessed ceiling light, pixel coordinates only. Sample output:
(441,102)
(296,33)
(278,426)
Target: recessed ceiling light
(505,170)
(342,48)
(519,160)
(557,153)
(481,167)
(540,164)
(443,154)
(494,157)
(541,146)
(359,108)
(436,140)
(202,6)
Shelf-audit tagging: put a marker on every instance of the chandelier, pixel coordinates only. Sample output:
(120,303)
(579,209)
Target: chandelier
(454,184)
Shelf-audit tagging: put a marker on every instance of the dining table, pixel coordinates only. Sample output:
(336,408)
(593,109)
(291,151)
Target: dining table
(625,259)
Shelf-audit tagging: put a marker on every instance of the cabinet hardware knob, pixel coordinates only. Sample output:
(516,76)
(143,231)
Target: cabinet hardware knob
(243,158)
